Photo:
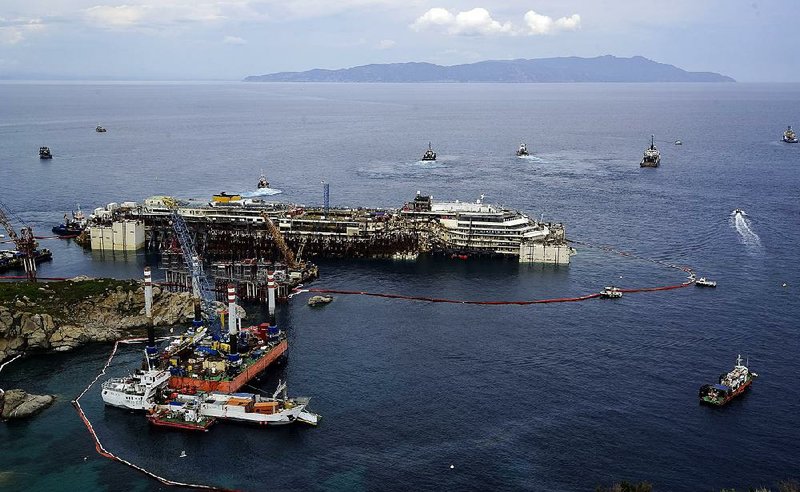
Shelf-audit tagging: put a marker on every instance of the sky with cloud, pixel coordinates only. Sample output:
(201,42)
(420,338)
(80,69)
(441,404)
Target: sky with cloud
(229,39)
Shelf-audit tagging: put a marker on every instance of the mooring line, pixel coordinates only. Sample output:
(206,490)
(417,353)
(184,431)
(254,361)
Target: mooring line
(102,451)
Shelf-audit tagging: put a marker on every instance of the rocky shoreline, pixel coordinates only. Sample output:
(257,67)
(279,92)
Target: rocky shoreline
(60,316)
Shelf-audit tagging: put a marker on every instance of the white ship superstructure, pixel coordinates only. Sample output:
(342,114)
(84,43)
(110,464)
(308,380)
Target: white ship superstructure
(484,229)
(135,392)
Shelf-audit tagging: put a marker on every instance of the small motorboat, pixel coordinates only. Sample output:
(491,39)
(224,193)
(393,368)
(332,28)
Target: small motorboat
(789,136)
(652,157)
(429,154)
(522,150)
(704,282)
(44,153)
(262,182)
(611,292)
(738,211)
(319,300)
(678,142)
(99,129)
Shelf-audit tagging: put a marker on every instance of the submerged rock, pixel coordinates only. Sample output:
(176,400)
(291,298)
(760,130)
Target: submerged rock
(17,404)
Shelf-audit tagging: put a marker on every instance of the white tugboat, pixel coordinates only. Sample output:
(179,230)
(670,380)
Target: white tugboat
(137,391)
(611,292)
(789,136)
(652,157)
(522,151)
(705,282)
(429,154)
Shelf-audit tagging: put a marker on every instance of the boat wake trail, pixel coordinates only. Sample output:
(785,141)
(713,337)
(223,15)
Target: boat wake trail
(741,223)
(262,192)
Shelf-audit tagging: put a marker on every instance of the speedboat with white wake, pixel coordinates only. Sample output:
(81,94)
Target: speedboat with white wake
(789,136)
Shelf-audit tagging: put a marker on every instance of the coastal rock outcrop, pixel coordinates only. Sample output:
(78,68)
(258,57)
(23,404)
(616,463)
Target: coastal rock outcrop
(62,316)
(17,404)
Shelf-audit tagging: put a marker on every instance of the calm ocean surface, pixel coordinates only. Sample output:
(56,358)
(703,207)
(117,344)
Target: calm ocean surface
(550,397)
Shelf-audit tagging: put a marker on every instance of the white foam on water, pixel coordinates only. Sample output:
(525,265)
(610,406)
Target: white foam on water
(261,192)
(742,225)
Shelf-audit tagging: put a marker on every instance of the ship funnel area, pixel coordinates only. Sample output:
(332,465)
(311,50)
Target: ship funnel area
(233,332)
(150,350)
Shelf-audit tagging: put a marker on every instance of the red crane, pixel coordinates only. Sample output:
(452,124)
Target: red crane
(26,243)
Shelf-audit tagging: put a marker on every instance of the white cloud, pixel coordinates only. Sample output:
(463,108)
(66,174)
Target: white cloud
(434,17)
(233,40)
(15,31)
(571,23)
(165,13)
(543,24)
(385,44)
(119,16)
(473,22)
(479,22)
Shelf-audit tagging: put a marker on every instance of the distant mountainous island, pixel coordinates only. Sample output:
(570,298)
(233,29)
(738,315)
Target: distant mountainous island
(567,69)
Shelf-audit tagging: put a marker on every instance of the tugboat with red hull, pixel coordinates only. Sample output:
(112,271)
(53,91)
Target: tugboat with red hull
(730,385)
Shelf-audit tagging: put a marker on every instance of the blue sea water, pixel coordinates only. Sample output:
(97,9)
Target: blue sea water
(548,397)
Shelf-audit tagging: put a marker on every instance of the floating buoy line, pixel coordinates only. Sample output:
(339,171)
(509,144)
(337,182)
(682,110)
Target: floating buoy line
(299,290)
(102,451)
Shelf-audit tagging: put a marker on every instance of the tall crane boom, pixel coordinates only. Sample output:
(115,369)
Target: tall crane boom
(279,241)
(201,286)
(25,242)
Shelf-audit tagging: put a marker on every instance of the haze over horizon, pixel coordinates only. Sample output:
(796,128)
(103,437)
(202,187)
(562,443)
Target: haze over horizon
(230,39)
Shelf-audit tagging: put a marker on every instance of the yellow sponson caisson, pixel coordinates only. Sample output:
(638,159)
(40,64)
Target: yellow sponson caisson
(225,198)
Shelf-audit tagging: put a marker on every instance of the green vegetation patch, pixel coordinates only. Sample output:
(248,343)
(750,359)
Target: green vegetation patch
(60,295)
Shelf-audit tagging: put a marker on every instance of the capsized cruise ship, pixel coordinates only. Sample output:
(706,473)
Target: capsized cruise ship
(482,229)
(464,229)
